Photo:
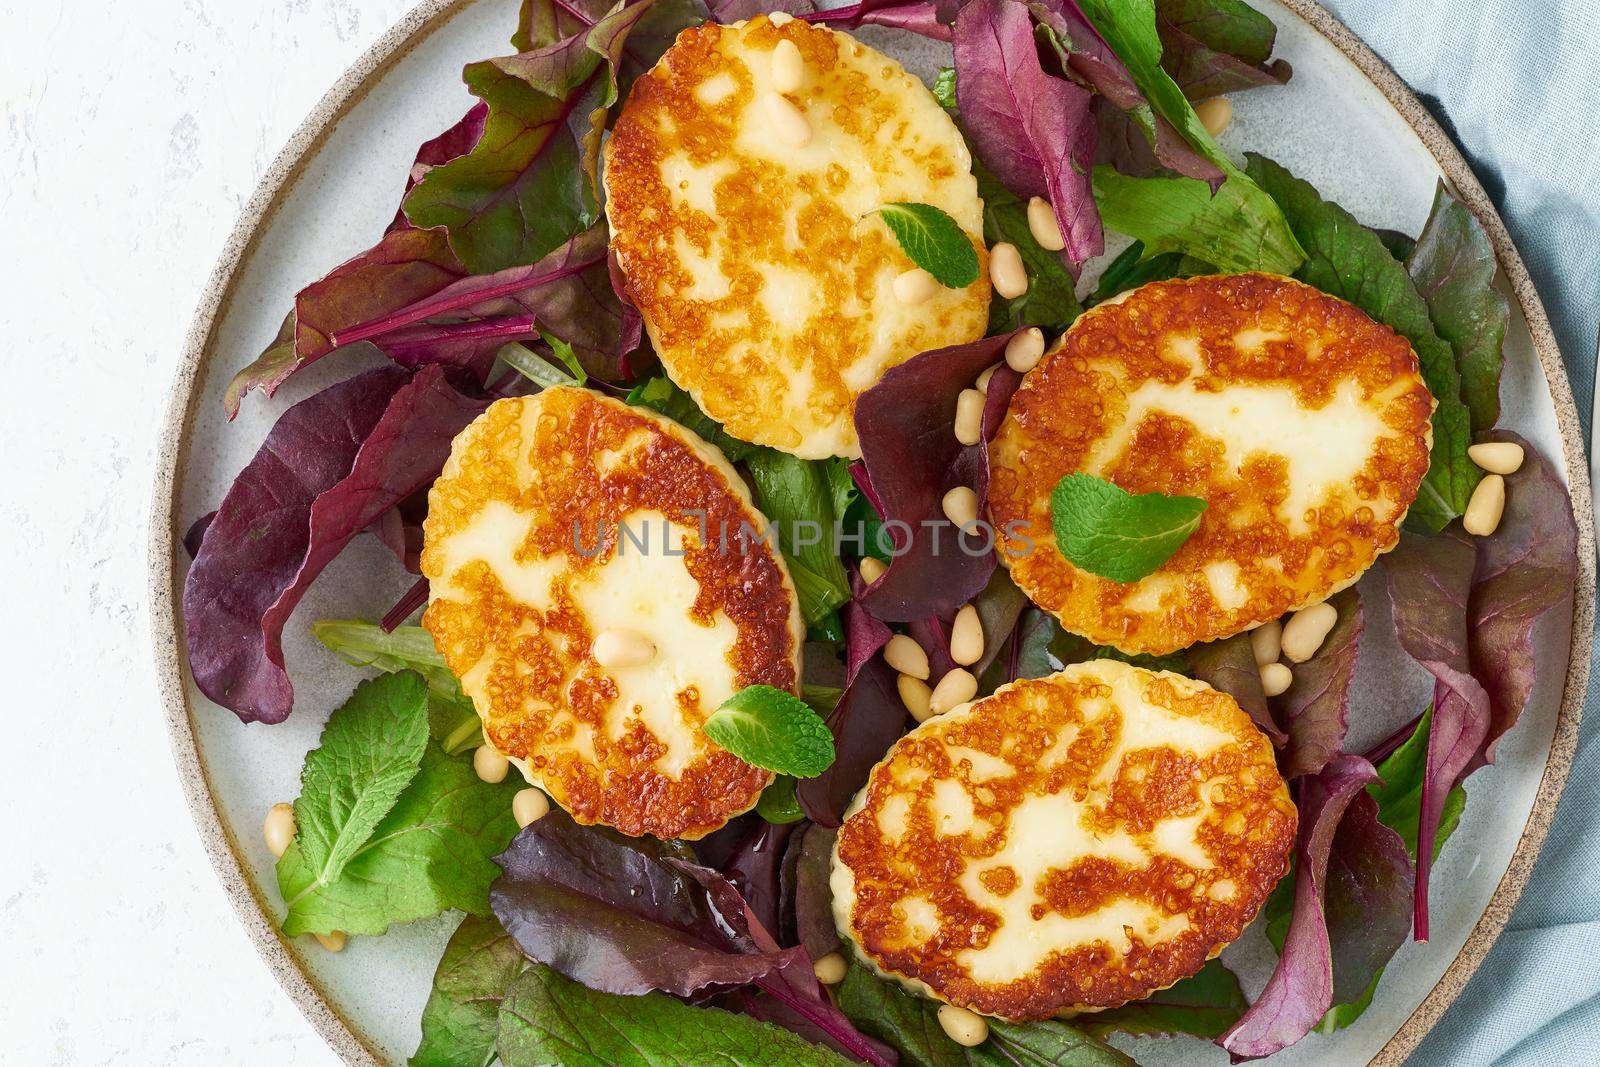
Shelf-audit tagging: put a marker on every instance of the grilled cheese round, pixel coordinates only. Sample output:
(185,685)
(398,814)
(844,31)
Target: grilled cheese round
(765,278)
(592,586)
(1068,844)
(1301,422)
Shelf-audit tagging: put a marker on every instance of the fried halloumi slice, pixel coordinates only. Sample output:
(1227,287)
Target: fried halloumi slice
(567,515)
(1301,422)
(765,280)
(1068,844)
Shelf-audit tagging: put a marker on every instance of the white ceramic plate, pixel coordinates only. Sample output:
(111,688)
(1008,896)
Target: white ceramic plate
(1343,122)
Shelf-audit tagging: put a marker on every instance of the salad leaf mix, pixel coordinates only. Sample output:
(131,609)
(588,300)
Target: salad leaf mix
(582,946)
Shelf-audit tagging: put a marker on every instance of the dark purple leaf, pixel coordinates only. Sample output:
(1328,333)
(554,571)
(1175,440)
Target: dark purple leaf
(196,534)
(868,719)
(1211,47)
(933,634)
(1528,568)
(257,543)
(754,869)
(1300,989)
(729,11)
(1229,666)
(926,17)
(1367,902)
(813,898)
(1313,709)
(1034,131)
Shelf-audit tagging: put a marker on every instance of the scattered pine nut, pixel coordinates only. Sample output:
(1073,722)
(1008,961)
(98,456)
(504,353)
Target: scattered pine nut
(961,506)
(872,569)
(622,648)
(915,695)
(830,969)
(278,829)
(1024,351)
(906,656)
(490,764)
(966,1028)
(1305,631)
(969,417)
(915,286)
(1497,457)
(780,18)
(333,942)
(1044,225)
(788,67)
(1275,678)
(956,687)
(788,121)
(983,379)
(1215,114)
(529,806)
(1266,642)
(1006,273)
(1485,508)
(966,637)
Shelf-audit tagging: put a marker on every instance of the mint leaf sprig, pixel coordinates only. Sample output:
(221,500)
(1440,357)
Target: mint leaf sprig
(1106,530)
(933,241)
(773,730)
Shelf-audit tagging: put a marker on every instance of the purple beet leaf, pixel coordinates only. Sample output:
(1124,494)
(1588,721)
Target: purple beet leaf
(457,141)
(1034,131)
(1300,989)
(255,546)
(1229,666)
(1211,47)
(1313,709)
(1367,898)
(929,18)
(813,899)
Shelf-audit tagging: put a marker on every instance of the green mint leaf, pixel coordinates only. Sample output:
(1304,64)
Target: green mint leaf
(546,1019)
(934,241)
(369,751)
(432,852)
(1204,1005)
(452,720)
(911,1024)
(461,1019)
(1349,261)
(774,730)
(944,88)
(778,803)
(1108,531)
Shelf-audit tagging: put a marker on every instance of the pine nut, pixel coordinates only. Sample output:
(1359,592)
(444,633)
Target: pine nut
(1275,679)
(966,637)
(622,648)
(914,694)
(333,942)
(961,506)
(984,378)
(788,121)
(1266,641)
(1044,225)
(969,417)
(490,764)
(966,1028)
(1024,351)
(1006,272)
(830,969)
(780,18)
(1497,457)
(915,286)
(529,806)
(1487,505)
(957,687)
(1215,114)
(1305,631)
(788,67)
(278,829)
(906,656)
(872,569)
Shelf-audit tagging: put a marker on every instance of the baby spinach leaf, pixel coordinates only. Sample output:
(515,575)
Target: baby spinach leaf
(1349,261)
(777,804)
(797,495)
(769,728)
(432,852)
(1204,1004)
(369,751)
(1453,265)
(462,1017)
(1115,534)
(933,241)
(547,1019)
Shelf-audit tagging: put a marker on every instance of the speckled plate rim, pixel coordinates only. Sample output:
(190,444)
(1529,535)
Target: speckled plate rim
(256,914)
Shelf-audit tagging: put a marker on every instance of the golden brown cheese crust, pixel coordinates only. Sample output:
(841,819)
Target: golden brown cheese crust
(764,279)
(1320,388)
(574,465)
(1193,837)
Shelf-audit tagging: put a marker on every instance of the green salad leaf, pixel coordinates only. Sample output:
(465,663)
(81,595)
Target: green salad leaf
(452,719)
(774,730)
(1453,266)
(933,241)
(663,397)
(1051,300)
(1132,268)
(798,496)
(1349,261)
(461,1020)
(539,370)
(1205,1004)
(548,1020)
(778,803)
(1106,530)
(911,1024)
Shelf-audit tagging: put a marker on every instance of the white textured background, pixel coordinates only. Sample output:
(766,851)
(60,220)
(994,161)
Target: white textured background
(133,133)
